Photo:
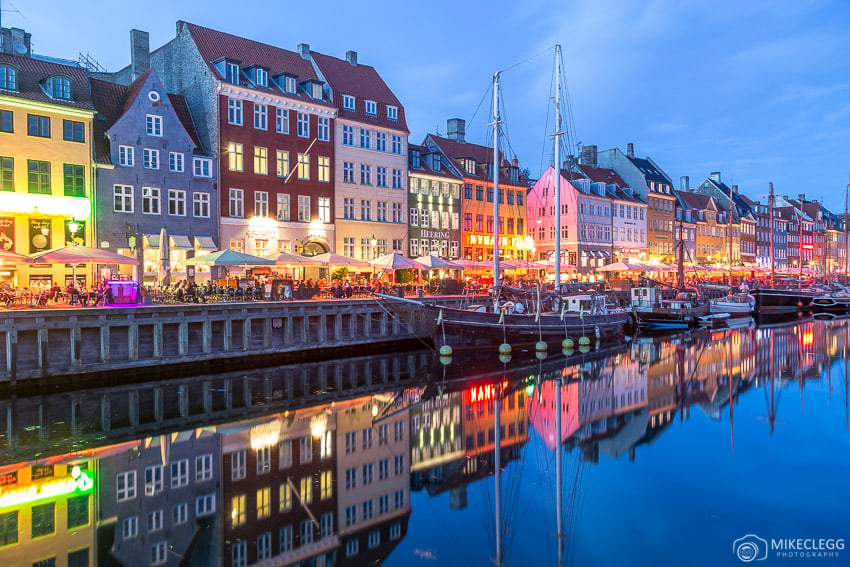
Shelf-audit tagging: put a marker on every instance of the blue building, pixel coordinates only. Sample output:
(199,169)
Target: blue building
(151,173)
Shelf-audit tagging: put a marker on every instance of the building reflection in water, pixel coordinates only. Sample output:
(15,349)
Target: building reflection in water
(315,464)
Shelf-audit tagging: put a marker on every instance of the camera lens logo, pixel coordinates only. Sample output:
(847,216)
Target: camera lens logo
(750,548)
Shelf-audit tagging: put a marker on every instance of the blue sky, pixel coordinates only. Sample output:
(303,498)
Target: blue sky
(758,90)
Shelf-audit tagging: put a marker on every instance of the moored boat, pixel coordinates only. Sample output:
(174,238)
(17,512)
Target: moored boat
(777,301)
(736,305)
(650,310)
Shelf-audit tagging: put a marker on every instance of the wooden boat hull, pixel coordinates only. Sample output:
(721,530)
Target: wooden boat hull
(669,318)
(733,308)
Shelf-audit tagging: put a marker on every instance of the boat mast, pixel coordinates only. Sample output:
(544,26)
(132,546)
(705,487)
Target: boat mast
(497,481)
(558,167)
(559,474)
(772,263)
(496,164)
(730,229)
(846,244)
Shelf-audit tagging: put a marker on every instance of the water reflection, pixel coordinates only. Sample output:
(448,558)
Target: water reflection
(323,464)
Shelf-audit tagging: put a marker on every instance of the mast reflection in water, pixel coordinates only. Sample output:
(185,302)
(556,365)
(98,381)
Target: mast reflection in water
(664,450)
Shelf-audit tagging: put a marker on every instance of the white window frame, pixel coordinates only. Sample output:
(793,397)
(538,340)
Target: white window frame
(202,167)
(180,473)
(153,480)
(180,514)
(289,84)
(205,505)
(126,156)
(283,209)
(159,553)
(392,112)
(261,116)
(153,125)
(282,120)
(130,527)
(325,209)
(303,208)
(128,491)
(348,102)
(323,129)
(150,200)
(203,467)
(261,203)
(122,194)
(262,77)
(151,158)
(175,162)
(176,202)
(234,111)
(201,205)
(324,169)
(370,108)
(303,124)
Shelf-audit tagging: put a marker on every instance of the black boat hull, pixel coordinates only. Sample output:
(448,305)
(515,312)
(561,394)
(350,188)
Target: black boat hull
(782,301)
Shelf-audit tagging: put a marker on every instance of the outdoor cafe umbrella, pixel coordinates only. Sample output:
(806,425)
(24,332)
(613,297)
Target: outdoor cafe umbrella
(623,267)
(474,264)
(287,259)
(75,255)
(14,257)
(437,263)
(396,261)
(330,259)
(229,258)
(164,258)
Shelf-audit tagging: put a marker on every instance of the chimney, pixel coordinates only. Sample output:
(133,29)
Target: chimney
(456,129)
(735,189)
(630,150)
(515,162)
(304,50)
(715,176)
(140,53)
(588,155)
(351,57)
(17,41)
(181,25)
(801,197)
(684,183)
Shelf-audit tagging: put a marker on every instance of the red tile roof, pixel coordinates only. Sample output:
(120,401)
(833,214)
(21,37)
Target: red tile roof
(214,45)
(364,83)
(33,72)
(602,175)
(695,200)
(457,150)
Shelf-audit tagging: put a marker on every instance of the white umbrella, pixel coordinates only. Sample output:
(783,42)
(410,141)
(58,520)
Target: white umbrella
(287,259)
(396,261)
(437,263)
(164,258)
(330,259)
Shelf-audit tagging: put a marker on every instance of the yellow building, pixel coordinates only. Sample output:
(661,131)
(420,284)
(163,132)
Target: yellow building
(46,117)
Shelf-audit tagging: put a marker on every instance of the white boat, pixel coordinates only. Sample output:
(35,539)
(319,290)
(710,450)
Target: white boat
(736,305)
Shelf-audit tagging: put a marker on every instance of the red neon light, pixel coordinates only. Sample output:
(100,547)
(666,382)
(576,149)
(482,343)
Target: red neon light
(484,393)
(808,247)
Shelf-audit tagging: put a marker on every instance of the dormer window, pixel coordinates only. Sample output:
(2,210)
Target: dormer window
(8,78)
(231,74)
(371,108)
(289,84)
(347,102)
(317,91)
(438,165)
(59,87)
(262,77)
(469,166)
(392,112)
(414,159)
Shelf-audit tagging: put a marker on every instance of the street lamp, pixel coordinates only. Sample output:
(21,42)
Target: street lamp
(374,244)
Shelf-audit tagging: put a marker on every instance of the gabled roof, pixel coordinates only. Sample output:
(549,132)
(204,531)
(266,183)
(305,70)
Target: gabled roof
(697,201)
(649,170)
(602,175)
(33,72)
(424,167)
(214,45)
(364,83)
(113,100)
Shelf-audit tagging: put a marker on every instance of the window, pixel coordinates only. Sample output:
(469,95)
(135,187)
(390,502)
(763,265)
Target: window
(7,123)
(397,146)
(352,546)
(324,169)
(130,527)
(304,208)
(306,532)
(283,214)
(239,554)
(425,218)
(262,77)
(179,471)
(397,213)
(305,450)
(399,499)
(365,174)
(205,505)
(175,162)
(150,200)
(371,108)
(153,125)
(374,539)
(383,469)
(324,129)
(261,160)
(201,205)
(392,112)
(381,141)
(368,510)
(234,156)
(289,84)
(519,198)
(154,521)
(303,125)
(414,217)
(414,247)
(282,163)
(264,506)
(350,442)
(365,138)
(365,210)
(73,131)
(396,179)
(347,102)
(285,539)
(306,489)
(180,514)
(43,519)
(347,172)
(304,166)
(78,511)
(348,243)
(261,204)
(368,471)
(479,193)
(326,485)
(285,502)
(151,159)
(382,211)
(153,480)
(237,465)
(316,91)
(282,121)
(327,523)
(38,126)
(125,486)
(264,546)
(203,167)
(234,111)
(8,78)
(264,460)
(237,510)
(380,176)
(158,552)
(60,87)
(261,116)
(177,202)
(367,438)
(79,558)
(348,209)
(325,209)
(75,179)
(203,468)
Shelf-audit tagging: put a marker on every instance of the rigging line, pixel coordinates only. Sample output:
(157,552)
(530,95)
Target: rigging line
(527,59)
(480,102)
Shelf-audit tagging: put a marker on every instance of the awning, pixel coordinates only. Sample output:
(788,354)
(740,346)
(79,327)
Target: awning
(152,240)
(180,242)
(595,254)
(205,243)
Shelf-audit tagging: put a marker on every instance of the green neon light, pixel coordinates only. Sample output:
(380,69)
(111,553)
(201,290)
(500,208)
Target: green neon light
(80,483)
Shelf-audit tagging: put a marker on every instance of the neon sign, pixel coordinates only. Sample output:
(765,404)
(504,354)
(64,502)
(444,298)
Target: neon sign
(484,393)
(808,246)
(80,482)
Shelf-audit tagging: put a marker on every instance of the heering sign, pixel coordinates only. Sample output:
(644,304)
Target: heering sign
(434,234)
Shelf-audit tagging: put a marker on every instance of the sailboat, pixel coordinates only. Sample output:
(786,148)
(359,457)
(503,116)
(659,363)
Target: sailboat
(736,304)
(515,316)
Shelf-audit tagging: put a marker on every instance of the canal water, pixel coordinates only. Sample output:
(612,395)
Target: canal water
(702,448)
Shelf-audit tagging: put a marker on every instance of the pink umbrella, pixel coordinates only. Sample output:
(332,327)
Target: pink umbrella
(80,255)
(14,257)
